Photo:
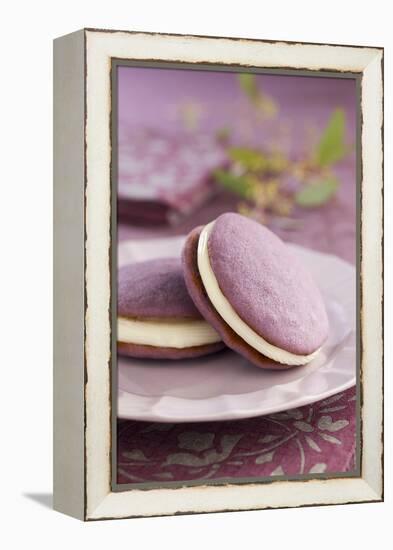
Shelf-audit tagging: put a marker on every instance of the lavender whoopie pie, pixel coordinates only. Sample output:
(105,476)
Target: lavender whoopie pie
(255,292)
(156,316)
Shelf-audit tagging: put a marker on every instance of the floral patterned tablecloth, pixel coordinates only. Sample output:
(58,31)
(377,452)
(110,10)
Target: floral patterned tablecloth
(318,438)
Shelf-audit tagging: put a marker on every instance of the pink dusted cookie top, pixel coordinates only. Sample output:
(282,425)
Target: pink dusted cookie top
(156,289)
(267,285)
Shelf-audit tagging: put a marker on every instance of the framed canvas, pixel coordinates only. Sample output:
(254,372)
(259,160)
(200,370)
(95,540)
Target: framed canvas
(218,269)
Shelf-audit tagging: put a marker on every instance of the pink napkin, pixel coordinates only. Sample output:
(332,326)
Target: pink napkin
(163,177)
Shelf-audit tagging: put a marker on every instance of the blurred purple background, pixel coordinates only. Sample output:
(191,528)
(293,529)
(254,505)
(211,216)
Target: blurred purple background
(172,111)
(150,98)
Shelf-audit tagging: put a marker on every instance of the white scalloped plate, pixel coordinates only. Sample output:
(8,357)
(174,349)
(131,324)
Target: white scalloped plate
(225,386)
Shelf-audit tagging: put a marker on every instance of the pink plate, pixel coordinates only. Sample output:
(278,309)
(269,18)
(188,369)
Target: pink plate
(225,386)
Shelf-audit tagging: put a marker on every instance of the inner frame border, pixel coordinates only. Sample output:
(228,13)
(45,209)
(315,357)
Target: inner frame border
(231,68)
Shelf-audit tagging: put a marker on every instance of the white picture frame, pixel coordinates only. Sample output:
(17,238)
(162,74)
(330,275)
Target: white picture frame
(83,278)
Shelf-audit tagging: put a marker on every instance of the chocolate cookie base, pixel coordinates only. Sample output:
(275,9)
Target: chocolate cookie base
(153,352)
(198,294)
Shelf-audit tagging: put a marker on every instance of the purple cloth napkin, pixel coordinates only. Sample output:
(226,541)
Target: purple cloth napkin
(162,177)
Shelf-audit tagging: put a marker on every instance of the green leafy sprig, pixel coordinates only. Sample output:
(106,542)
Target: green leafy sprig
(258,177)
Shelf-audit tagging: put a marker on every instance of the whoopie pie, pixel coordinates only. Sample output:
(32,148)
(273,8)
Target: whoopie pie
(252,288)
(156,316)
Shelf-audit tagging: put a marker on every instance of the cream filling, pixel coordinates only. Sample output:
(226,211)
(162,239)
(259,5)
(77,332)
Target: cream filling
(169,334)
(224,308)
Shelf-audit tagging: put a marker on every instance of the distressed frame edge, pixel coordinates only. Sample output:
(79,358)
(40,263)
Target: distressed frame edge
(356,491)
(374,491)
(372,270)
(236,38)
(69,277)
